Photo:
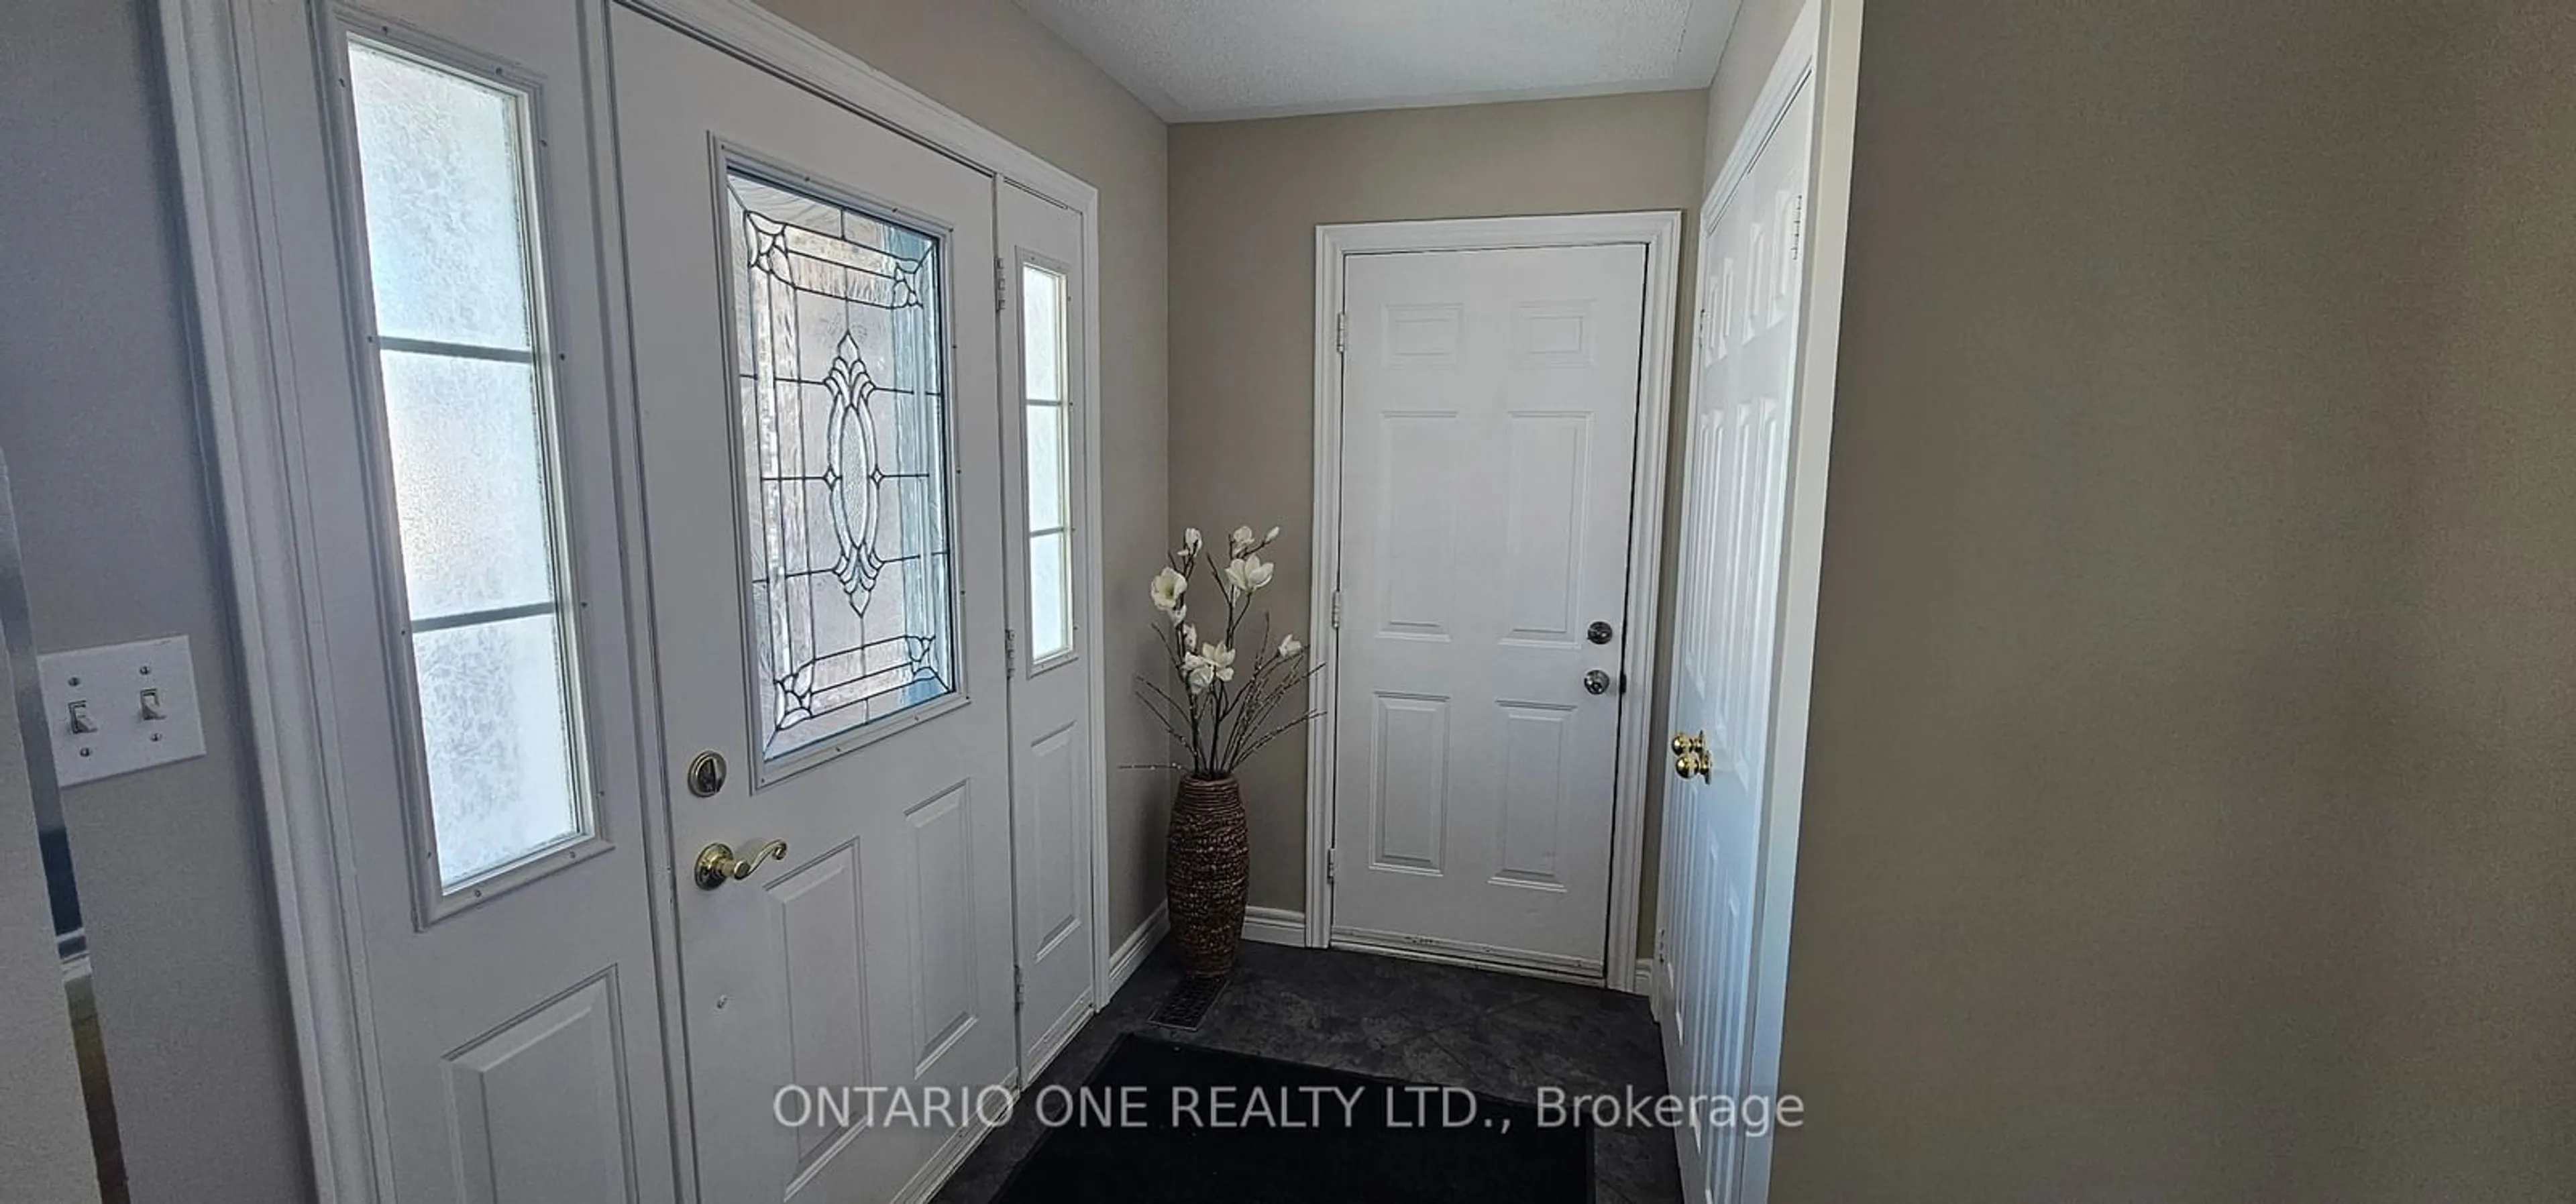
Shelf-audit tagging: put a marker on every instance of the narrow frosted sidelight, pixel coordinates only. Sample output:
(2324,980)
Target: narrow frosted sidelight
(497,741)
(460,366)
(469,483)
(442,163)
(1042,325)
(1046,468)
(1043,334)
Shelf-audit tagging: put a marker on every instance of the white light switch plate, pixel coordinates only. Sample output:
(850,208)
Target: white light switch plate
(108,687)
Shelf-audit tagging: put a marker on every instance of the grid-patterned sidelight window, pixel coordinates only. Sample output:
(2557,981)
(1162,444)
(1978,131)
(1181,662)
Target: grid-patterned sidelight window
(445,180)
(1042,352)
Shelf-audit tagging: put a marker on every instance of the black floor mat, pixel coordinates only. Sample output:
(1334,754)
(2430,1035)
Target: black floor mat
(1163,1123)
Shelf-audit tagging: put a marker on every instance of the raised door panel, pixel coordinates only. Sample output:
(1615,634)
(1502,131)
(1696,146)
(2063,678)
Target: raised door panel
(1541,783)
(1549,482)
(1053,889)
(941,869)
(824,946)
(1417,569)
(1408,799)
(539,1106)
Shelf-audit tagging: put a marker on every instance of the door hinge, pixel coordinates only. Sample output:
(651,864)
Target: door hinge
(1332,864)
(1019,989)
(1001,285)
(1010,651)
(1337,610)
(1341,332)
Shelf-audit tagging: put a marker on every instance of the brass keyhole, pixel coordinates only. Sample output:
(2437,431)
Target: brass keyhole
(706,773)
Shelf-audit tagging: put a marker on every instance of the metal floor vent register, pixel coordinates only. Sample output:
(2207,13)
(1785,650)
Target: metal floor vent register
(1187,1006)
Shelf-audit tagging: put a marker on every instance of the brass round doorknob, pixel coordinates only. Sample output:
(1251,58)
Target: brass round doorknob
(1690,755)
(717,864)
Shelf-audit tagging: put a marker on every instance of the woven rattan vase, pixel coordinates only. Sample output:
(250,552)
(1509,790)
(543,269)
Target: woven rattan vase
(1206,867)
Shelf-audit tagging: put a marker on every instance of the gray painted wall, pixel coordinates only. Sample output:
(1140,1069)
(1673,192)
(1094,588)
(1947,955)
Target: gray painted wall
(99,417)
(44,1131)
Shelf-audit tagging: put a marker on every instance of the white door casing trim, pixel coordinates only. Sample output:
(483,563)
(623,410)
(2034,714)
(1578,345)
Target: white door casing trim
(1822,53)
(213,59)
(1660,233)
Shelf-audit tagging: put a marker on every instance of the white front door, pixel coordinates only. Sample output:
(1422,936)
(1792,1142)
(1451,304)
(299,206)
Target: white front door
(1490,407)
(820,410)
(1726,641)
(1051,738)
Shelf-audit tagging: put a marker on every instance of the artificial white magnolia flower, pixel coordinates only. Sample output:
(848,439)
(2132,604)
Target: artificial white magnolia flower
(1248,574)
(1189,636)
(1168,588)
(1240,542)
(1190,541)
(1179,613)
(1220,660)
(1196,670)
(1274,534)
(1290,646)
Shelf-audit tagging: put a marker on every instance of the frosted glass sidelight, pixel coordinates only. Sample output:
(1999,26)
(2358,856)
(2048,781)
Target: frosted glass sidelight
(1048,426)
(501,773)
(839,329)
(462,371)
(1050,603)
(1042,332)
(1046,467)
(468,483)
(441,163)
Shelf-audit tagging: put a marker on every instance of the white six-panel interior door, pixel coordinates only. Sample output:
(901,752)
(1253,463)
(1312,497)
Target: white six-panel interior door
(1726,642)
(1489,423)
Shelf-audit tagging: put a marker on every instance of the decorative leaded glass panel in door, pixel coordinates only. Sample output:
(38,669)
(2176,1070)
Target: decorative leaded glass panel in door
(838,331)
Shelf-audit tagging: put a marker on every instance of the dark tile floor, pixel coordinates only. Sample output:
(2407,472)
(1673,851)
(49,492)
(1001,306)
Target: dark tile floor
(1426,1023)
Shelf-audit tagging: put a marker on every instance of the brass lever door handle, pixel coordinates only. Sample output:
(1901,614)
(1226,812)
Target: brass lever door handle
(1690,755)
(717,865)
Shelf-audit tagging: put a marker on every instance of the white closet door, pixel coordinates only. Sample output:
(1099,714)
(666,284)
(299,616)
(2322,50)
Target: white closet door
(1488,431)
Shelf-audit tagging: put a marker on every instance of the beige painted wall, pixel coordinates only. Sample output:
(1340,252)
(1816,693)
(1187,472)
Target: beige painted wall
(1246,198)
(1752,46)
(2189,805)
(994,63)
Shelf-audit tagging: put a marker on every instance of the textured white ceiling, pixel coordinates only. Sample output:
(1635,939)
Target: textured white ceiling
(1219,60)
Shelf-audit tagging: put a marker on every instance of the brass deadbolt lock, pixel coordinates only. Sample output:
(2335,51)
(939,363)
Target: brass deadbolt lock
(706,773)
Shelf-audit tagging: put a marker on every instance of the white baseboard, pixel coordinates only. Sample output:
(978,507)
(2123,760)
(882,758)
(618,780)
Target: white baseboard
(1274,926)
(1645,984)
(1131,952)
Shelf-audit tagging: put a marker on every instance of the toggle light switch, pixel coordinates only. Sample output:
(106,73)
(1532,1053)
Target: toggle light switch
(125,707)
